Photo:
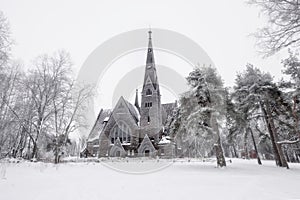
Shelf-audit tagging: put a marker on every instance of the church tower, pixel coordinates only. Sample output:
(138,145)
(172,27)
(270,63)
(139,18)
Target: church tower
(150,110)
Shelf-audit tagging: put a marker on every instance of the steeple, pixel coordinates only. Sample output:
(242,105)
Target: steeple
(150,71)
(150,56)
(136,103)
(150,110)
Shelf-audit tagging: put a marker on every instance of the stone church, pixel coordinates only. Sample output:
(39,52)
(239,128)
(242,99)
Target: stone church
(131,130)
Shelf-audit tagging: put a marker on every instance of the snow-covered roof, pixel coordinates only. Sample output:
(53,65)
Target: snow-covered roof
(99,125)
(133,110)
(137,112)
(165,140)
(106,119)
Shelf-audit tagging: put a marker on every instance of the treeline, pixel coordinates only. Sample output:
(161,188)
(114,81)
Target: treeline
(258,114)
(40,107)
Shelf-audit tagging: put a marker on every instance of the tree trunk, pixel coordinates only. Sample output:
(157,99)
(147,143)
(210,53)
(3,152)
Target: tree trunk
(34,151)
(297,128)
(56,152)
(219,154)
(218,146)
(296,157)
(279,156)
(245,145)
(287,156)
(255,147)
(56,158)
(234,151)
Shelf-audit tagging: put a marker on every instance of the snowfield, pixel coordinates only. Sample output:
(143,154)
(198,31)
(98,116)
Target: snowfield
(241,179)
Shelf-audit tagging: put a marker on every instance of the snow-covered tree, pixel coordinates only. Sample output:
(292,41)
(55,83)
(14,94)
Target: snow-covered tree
(197,126)
(9,77)
(283,26)
(292,69)
(56,102)
(5,40)
(289,113)
(258,97)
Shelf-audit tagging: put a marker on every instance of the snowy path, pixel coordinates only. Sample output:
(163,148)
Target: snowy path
(240,180)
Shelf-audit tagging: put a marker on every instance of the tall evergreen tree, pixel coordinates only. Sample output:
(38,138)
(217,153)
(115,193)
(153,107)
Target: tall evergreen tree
(258,96)
(201,109)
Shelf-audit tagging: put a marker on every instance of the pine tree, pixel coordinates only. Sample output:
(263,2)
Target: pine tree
(258,97)
(201,109)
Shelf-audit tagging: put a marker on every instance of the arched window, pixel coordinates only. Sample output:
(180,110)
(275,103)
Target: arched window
(122,131)
(148,104)
(147,153)
(148,119)
(148,92)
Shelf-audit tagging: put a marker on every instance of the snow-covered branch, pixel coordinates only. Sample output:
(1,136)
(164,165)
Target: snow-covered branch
(288,141)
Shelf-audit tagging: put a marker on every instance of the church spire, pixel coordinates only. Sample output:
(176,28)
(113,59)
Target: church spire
(136,103)
(150,71)
(150,56)
(151,113)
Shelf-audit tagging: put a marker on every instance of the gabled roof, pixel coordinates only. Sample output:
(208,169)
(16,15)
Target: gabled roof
(131,108)
(118,143)
(99,125)
(133,111)
(146,144)
(117,147)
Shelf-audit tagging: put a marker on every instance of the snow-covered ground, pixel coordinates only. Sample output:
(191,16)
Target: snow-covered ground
(241,179)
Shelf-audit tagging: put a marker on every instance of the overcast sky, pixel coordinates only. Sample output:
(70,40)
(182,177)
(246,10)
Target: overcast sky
(220,27)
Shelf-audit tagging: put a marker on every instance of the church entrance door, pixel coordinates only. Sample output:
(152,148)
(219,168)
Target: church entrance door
(147,153)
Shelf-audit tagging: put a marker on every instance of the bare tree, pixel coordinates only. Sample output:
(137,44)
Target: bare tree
(42,85)
(38,108)
(283,27)
(68,107)
(5,40)
(9,128)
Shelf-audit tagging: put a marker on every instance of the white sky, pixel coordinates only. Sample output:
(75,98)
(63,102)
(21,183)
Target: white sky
(220,27)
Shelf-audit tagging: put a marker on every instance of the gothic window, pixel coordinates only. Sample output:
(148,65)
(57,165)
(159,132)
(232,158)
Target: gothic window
(148,104)
(148,119)
(122,131)
(148,92)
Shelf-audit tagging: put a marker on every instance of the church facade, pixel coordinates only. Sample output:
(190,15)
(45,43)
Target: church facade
(131,130)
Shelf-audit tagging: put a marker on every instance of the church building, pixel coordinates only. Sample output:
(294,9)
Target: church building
(131,130)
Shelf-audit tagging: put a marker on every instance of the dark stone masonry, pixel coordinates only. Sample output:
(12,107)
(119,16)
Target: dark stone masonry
(130,130)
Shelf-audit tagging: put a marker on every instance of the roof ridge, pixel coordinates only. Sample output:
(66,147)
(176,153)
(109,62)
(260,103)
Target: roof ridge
(101,110)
